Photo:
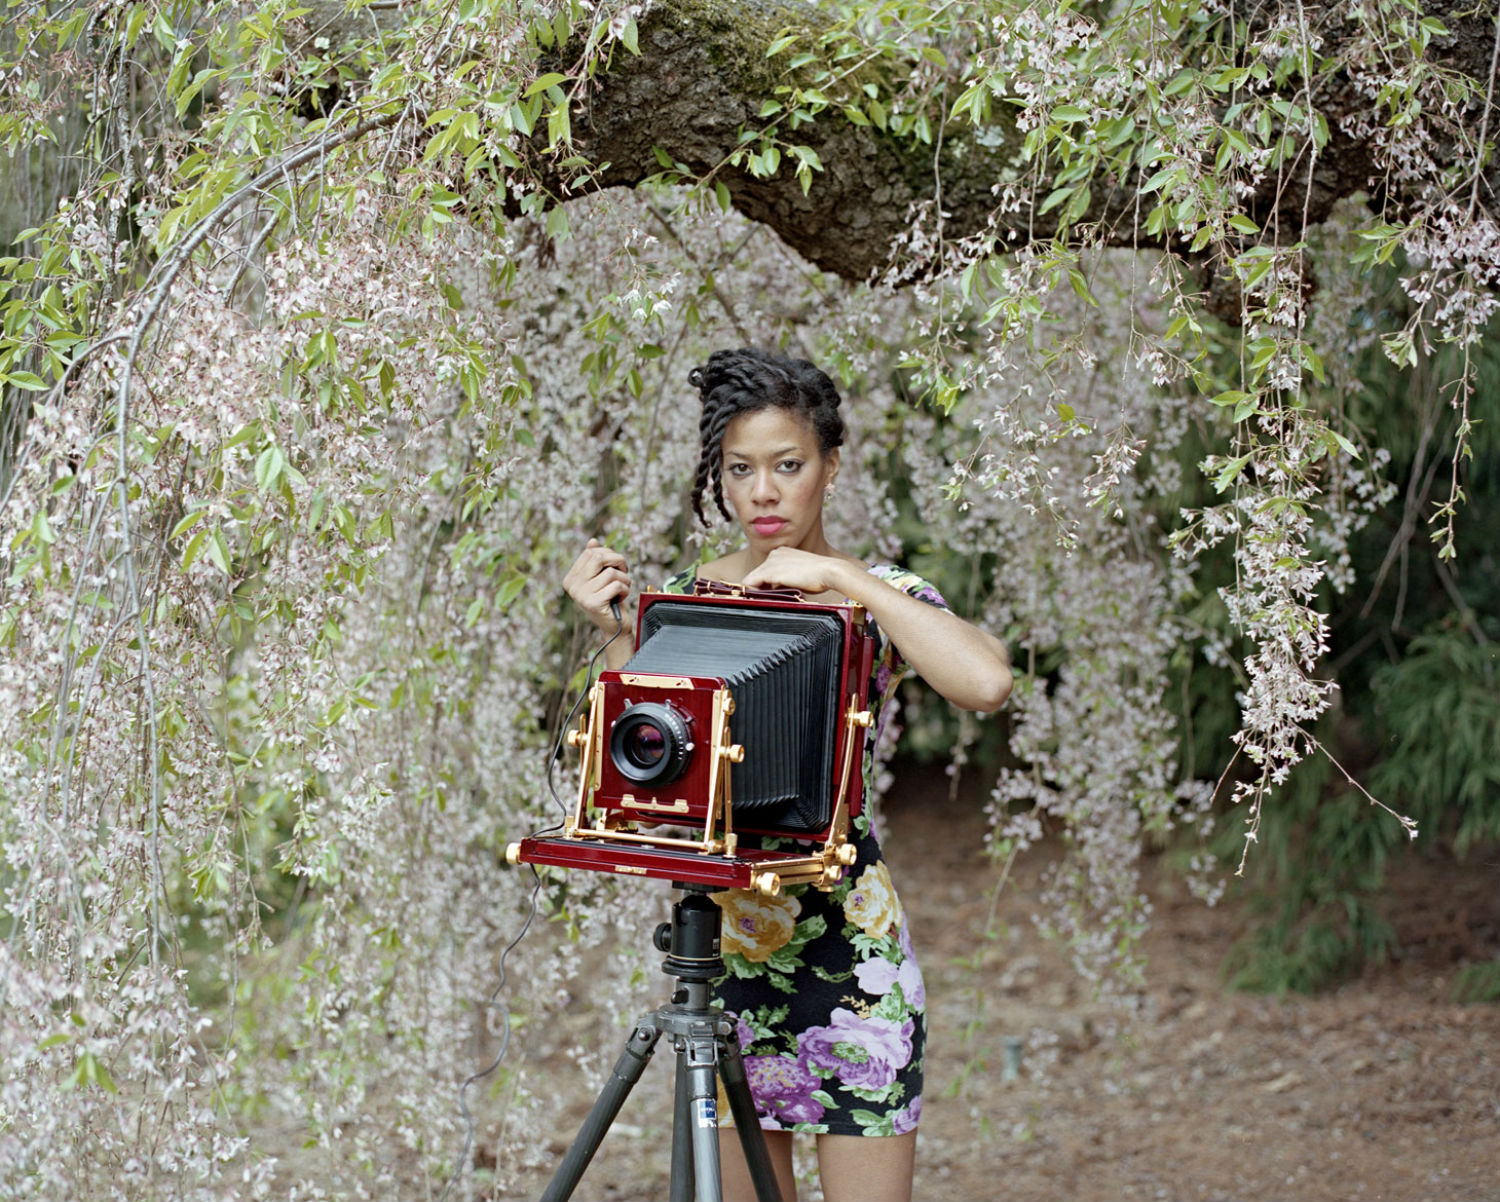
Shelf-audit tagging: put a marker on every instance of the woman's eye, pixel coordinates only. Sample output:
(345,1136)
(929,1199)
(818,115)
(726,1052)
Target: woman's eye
(789,465)
(738,469)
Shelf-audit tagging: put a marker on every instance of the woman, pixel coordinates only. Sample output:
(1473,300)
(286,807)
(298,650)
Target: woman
(829,998)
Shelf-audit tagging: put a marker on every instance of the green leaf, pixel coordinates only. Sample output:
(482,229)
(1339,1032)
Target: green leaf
(1180,83)
(1081,286)
(194,547)
(268,468)
(1229,398)
(559,126)
(1079,204)
(89,1071)
(188,522)
(162,28)
(218,552)
(1229,472)
(510,590)
(1160,178)
(1054,198)
(630,36)
(30,381)
(1119,135)
(1069,113)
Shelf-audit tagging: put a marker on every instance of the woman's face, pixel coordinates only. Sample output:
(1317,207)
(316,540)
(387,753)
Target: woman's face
(774,477)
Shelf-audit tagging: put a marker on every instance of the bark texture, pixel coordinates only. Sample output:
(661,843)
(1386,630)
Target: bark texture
(702,76)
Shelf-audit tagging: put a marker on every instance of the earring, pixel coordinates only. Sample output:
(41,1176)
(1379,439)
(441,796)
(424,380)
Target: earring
(828,491)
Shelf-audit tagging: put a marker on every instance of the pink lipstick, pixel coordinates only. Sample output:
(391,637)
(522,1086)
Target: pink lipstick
(766,527)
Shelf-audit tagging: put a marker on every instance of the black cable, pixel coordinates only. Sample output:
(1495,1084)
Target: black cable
(562,733)
(536,889)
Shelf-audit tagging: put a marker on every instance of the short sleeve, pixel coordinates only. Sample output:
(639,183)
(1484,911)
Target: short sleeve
(910,583)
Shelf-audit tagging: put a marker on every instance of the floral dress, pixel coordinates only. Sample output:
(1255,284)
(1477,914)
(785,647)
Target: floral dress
(832,1015)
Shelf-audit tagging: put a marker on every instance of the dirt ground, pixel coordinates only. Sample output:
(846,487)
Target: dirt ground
(1381,1089)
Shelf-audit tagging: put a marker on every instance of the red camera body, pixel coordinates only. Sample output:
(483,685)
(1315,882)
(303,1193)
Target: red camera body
(740,716)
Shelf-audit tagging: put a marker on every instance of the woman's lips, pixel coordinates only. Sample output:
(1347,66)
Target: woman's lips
(768,526)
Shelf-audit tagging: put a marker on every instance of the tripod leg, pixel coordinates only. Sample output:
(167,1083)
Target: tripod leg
(746,1121)
(627,1071)
(682,1137)
(701,1048)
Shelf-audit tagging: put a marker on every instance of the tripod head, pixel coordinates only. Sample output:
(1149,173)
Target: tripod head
(691,939)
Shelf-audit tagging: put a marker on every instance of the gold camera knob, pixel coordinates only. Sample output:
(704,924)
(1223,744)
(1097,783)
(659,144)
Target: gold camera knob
(576,738)
(862,718)
(767,883)
(735,753)
(512,853)
(846,854)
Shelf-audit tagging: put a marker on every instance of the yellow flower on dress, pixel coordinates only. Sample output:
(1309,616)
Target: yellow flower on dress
(871,904)
(756,926)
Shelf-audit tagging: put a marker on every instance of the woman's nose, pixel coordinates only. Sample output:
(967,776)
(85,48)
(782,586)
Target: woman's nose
(765,486)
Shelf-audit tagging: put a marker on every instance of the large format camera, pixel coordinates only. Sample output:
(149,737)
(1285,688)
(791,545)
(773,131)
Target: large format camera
(741,714)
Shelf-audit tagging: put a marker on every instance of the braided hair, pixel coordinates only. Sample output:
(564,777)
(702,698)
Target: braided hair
(747,380)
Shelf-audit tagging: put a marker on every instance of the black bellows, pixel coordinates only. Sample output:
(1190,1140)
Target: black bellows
(782,669)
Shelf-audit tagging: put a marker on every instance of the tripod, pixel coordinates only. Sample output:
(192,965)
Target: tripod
(707,1048)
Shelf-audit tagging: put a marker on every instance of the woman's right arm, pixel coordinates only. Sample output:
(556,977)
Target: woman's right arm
(598,577)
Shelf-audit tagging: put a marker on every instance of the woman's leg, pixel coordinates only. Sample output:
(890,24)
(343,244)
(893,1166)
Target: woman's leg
(863,1168)
(735,1173)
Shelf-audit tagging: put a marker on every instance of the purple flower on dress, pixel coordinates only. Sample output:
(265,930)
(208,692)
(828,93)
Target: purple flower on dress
(906,1120)
(743,1033)
(863,1053)
(782,1087)
(876,977)
(930,595)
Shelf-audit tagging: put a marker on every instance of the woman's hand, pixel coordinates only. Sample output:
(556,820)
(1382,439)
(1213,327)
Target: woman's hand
(597,577)
(810,574)
(963,663)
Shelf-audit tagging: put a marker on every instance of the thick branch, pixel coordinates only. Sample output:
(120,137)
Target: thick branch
(701,79)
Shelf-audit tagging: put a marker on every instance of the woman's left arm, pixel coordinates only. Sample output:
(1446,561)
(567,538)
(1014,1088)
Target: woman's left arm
(966,665)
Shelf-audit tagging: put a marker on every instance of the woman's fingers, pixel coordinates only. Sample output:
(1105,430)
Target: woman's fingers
(610,584)
(598,577)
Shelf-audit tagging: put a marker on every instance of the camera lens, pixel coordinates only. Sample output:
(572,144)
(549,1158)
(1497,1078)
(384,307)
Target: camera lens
(650,743)
(645,745)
